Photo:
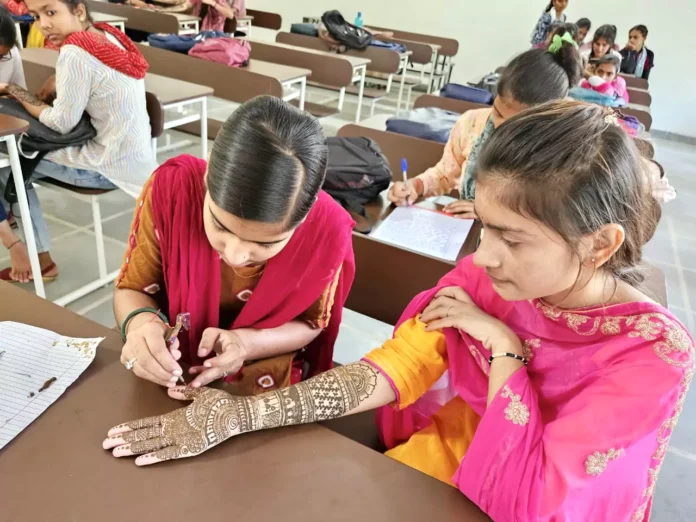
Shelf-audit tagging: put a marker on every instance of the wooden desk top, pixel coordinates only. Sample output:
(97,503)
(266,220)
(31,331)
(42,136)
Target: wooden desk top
(167,90)
(282,73)
(57,470)
(108,18)
(354,61)
(183,17)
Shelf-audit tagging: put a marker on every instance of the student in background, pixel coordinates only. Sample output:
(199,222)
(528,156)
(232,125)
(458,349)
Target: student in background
(638,60)
(605,78)
(584,26)
(215,13)
(533,77)
(603,43)
(537,377)
(250,247)
(101,72)
(543,27)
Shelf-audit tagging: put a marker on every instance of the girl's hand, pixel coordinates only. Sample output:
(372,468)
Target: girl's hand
(145,346)
(402,194)
(230,358)
(3,88)
(453,308)
(212,417)
(462,209)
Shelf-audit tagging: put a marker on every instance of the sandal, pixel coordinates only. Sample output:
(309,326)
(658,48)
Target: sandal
(5,274)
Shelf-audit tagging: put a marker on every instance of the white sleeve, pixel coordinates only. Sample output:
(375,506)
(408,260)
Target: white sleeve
(73,90)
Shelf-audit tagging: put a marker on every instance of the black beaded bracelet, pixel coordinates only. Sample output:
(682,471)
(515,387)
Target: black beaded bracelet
(508,354)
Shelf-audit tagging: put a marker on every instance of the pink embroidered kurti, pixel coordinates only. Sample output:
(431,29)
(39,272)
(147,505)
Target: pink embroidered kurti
(578,435)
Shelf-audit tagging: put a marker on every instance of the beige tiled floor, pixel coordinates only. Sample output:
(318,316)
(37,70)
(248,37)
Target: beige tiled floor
(673,249)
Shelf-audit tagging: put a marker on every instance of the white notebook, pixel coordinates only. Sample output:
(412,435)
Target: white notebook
(424,231)
(36,367)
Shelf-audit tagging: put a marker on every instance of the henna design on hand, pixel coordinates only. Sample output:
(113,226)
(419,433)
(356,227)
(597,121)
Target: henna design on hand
(24,96)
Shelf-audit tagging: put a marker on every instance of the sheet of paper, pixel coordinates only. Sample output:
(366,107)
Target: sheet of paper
(424,231)
(36,367)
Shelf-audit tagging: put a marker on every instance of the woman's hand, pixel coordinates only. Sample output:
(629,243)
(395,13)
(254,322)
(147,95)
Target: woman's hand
(230,357)
(402,194)
(47,93)
(462,209)
(3,89)
(453,308)
(212,417)
(145,346)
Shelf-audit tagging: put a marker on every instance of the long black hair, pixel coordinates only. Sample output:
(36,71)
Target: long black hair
(268,163)
(537,76)
(8,31)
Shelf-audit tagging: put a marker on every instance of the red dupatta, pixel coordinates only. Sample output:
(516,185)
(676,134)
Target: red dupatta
(129,60)
(292,281)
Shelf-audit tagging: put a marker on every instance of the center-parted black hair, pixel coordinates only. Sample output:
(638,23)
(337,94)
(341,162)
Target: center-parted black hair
(268,163)
(8,31)
(537,76)
(610,58)
(641,29)
(607,32)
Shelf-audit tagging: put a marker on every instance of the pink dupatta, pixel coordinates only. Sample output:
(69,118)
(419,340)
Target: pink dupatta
(292,281)
(578,435)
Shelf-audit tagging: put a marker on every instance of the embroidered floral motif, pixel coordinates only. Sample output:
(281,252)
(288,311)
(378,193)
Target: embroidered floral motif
(265,381)
(611,326)
(575,321)
(480,359)
(663,436)
(244,295)
(527,347)
(516,412)
(597,462)
(152,289)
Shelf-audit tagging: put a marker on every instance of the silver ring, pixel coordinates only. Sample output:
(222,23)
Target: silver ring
(129,364)
(225,373)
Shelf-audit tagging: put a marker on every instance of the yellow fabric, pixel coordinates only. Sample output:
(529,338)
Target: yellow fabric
(414,360)
(35,37)
(446,176)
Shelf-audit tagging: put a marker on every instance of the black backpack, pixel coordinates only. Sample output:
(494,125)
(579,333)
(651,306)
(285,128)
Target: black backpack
(351,36)
(357,173)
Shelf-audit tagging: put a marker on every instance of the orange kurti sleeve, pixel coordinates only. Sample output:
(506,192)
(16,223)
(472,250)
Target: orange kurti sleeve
(141,269)
(412,361)
(319,314)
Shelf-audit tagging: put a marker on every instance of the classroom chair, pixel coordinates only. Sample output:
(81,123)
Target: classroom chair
(156,114)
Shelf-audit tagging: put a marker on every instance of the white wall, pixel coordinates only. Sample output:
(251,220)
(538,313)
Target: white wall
(490,32)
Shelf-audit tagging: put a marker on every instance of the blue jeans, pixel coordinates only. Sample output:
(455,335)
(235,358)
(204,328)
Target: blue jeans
(48,169)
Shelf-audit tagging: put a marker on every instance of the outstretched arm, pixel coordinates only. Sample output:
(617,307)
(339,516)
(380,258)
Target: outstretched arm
(215,416)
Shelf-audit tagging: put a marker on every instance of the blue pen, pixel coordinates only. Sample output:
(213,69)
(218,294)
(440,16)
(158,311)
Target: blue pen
(404,172)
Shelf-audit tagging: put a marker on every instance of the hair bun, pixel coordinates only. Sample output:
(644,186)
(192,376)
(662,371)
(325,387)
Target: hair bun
(568,58)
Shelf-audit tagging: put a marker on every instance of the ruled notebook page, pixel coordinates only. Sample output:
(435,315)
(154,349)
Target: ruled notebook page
(36,367)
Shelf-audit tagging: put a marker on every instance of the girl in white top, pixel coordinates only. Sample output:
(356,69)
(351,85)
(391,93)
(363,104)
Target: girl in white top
(101,72)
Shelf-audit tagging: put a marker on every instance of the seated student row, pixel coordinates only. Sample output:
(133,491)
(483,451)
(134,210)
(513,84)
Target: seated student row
(536,377)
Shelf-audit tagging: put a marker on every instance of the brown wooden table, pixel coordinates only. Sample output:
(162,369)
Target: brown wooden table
(56,469)
(147,20)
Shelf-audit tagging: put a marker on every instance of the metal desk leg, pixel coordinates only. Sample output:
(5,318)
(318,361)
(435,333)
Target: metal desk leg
(26,217)
(204,128)
(433,64)
(361,91)
(303,92)
(341,98)
(363,74)
(401,85)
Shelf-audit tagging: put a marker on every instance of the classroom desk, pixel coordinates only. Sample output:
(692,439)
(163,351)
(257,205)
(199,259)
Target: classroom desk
(148,20)
(9,128)
(424,54)
(331,69)
(289,77)
(174,95)
(56,469)
(119,22)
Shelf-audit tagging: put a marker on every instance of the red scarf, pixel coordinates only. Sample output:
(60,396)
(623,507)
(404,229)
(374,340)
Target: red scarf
(292,281)
(129,60)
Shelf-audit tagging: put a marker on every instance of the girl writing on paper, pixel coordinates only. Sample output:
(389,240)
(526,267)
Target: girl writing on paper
(536,377)
(250,247)
(533,77)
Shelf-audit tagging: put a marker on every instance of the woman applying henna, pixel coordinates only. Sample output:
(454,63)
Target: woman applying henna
(250,247)
(537,377)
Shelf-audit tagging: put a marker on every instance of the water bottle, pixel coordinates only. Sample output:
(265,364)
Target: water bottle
(359,20)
